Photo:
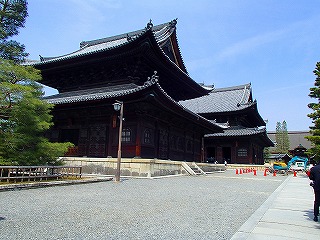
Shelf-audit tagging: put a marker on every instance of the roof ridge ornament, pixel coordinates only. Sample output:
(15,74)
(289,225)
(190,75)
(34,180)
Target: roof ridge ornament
(242,98)
(173,23)
(129,38)
(149,25)
(154,77)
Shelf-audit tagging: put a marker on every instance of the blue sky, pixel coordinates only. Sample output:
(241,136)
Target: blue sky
(272,44)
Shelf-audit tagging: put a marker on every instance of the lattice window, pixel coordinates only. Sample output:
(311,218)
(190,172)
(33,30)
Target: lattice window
(126,135)
(147,136)
(242,152)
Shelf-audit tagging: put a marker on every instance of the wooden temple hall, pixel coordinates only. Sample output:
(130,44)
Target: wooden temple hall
(167,115)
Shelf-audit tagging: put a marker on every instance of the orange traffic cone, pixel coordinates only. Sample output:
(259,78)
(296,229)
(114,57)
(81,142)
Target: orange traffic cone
(294,173)
(265,172)
(240,171)
(275,173)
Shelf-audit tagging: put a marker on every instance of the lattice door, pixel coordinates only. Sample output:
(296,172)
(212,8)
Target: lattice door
(163,144)
(97,141)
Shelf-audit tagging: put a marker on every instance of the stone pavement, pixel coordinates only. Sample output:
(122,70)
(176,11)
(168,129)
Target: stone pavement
(271,208)
(286,214)
(52,183)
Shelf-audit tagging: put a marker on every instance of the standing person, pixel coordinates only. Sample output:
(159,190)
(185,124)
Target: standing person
(315,177)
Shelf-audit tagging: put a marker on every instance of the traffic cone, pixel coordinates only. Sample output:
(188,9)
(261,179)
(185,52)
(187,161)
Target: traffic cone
(254,172)
(294,173)
(275,173)
(237,171)
(265,172)
(240,171)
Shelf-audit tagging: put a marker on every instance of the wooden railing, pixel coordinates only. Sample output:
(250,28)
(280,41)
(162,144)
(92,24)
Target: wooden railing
(38,173)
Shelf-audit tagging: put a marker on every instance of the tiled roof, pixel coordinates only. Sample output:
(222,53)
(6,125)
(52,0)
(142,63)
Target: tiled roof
(222,125)
(236,131)
(222,100)
(278,156)
(118,91)
(95,93)
(161,32)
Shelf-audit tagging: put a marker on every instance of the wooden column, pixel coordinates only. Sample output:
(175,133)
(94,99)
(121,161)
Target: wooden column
(138,139)
(219,154)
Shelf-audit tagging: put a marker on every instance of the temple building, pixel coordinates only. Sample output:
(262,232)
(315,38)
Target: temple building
(167,115)
(244,136)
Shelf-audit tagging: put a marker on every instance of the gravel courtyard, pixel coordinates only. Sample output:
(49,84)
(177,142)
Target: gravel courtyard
(184,207)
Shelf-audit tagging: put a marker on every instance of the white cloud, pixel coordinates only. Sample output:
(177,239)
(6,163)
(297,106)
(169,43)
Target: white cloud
(248,44)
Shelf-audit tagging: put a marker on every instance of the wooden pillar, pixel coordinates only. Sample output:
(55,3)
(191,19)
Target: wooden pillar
(156,140)
(111,132)
(138,139)
(202,158)
(251,152)
(219,154)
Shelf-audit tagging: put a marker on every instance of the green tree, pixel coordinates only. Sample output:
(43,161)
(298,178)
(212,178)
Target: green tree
(266,153)
(13,15)
(278,137)
(282,137)
(285,137)
(24,117)
(315,116)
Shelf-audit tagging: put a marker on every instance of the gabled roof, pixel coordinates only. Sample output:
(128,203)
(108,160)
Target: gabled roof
(119,91)
(236,131)
(161,33)
(240,131)
(94,93)
(277,156)
(229,99)
(156,46)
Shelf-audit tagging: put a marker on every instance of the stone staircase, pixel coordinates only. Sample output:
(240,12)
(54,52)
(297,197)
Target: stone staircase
(193,168)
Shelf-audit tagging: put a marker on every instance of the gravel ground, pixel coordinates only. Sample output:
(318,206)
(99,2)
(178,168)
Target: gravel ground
(183,207)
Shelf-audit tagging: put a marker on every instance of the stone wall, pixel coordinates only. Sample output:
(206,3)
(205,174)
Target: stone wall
(129,166)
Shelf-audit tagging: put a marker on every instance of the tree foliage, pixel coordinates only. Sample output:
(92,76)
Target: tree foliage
(13,14)
(24,117)
(282,137)
(315,116)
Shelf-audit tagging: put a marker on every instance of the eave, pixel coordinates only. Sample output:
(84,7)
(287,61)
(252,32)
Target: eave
(151,89)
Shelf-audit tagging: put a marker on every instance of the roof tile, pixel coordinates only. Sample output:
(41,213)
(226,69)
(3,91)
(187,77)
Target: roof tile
(221,100)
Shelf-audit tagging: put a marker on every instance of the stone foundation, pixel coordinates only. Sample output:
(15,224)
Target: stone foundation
(129,167)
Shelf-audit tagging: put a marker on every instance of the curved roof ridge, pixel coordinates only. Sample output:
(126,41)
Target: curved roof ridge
(222,100)
(178,46)
(131,34)
(154,80)
(174,64)
(239,131)
(94,46)
(101,92)
(81,52)
(232,88)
